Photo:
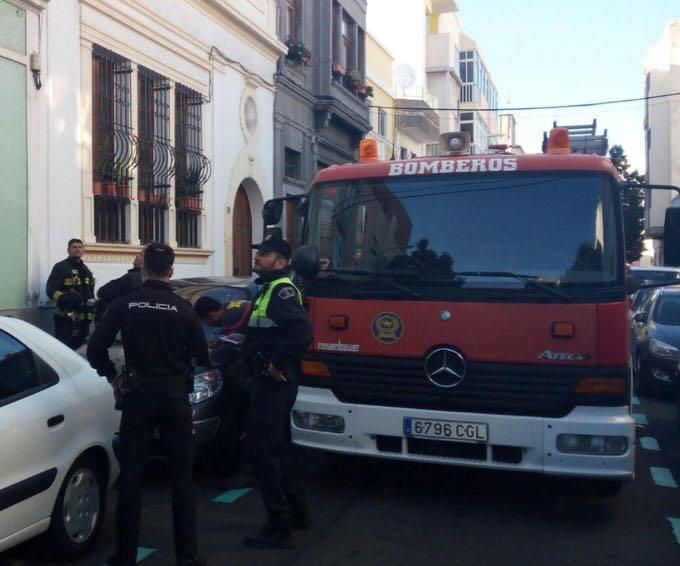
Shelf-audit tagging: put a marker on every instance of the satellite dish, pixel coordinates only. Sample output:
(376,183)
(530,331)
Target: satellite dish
(405,75)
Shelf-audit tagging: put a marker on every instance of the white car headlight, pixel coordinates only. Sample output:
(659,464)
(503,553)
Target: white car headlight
(662,349)
(207,384)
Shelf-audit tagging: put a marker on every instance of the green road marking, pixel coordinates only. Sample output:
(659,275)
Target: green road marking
(649,443)
(143,553)
(640,418)
(675,525)
(231,495)
(663,477)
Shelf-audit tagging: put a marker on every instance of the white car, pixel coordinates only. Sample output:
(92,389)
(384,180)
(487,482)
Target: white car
(57,424)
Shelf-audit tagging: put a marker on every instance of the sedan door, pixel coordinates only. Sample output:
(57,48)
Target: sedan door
(34,429)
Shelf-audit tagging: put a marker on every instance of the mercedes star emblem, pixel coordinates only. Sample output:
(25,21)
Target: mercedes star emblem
(445,367)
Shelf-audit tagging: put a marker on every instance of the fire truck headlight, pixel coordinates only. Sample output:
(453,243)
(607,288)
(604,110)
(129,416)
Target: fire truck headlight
(590,444)
(319,422)
(662,349)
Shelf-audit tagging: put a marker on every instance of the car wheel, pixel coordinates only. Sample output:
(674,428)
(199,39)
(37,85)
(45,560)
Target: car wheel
(79,510)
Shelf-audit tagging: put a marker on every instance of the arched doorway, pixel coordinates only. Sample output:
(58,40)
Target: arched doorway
(242,234)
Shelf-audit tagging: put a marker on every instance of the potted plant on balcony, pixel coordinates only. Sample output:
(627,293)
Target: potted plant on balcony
(353,79)
(298,52)
(338,71)
(364,91)
(190,196)
(121,180)
(97,188)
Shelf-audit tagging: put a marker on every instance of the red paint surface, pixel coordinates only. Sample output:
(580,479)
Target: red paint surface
(542,162)
(484,332)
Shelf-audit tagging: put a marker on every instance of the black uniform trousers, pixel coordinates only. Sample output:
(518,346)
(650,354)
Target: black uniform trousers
(145,410)
(70,332)
(270,447)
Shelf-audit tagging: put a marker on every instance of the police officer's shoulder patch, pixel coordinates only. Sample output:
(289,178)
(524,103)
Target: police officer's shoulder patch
(287,292)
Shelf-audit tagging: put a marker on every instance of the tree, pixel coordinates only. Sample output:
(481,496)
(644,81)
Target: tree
(632,202)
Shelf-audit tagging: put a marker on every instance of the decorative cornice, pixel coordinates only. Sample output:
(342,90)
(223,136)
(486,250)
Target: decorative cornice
(35,6)
(123,253)
(294,90)
(224,13)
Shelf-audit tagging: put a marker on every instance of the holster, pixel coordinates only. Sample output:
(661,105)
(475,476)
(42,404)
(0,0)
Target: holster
(126,381)
(259,365)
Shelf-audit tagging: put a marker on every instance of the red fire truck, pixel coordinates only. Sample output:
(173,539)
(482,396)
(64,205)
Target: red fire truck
(469,310)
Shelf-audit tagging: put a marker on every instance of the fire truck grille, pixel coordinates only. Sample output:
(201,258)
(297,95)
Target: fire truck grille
(487,388)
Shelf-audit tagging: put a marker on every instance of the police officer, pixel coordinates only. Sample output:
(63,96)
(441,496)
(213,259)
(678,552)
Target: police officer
(279,332)
(161,334)
(115,288)
(71,286)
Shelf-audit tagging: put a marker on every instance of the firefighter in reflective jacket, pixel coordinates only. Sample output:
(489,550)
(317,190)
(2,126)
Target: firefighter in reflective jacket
(279,332)
(71,286)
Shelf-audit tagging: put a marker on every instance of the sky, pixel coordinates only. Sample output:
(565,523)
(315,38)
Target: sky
(546,52)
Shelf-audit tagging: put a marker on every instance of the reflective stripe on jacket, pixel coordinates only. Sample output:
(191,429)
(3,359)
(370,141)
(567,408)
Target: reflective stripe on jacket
(259,318)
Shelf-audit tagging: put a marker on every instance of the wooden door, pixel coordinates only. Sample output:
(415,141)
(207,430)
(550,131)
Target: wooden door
(242,236)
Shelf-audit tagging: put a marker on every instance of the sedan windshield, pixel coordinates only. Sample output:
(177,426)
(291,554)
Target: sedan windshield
(668,310)
(499,231)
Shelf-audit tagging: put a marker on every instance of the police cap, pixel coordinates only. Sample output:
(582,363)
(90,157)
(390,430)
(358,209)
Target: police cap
(274,244)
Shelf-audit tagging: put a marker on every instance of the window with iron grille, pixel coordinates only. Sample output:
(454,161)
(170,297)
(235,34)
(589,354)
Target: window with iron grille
(192,168)
(156,155)
(114,146)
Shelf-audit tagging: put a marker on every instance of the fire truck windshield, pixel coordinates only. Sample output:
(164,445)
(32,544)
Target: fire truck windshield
(452,236)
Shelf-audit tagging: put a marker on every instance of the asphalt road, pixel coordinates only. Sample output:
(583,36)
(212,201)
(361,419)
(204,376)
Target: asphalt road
(387,512)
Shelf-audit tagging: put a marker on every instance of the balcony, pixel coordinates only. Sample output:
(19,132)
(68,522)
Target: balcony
(419,120)
(444,6)
(441,54)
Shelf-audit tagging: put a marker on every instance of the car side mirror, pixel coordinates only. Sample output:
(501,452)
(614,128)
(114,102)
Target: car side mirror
(306,262)
(640,317)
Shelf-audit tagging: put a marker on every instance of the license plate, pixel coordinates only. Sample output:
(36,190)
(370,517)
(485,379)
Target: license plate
(446,430)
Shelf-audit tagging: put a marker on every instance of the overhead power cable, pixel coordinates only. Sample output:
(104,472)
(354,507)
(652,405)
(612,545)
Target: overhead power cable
(522,108)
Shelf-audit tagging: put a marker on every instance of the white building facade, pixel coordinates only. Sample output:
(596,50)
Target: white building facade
(440,75)
(662,132)
(153,122)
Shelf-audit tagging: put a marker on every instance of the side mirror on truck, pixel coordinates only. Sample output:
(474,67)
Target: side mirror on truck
(272,212)
(306,262)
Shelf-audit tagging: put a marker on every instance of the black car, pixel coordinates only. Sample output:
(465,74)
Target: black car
(656,341)
(219,399)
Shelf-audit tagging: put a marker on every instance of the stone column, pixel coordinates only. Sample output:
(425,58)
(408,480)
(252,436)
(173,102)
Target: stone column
(133,208)
(86,146)
(171,235)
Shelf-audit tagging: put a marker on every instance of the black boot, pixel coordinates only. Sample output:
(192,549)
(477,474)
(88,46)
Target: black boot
(299,512)
(275,534)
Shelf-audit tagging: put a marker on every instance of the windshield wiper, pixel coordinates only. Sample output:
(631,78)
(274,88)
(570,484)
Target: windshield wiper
(377,276)
(528,279)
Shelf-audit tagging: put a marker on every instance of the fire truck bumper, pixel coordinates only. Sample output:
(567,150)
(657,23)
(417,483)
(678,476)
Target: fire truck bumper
(591,442)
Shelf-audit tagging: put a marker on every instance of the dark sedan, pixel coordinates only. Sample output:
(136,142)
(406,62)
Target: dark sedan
(656,353)
(220,392)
